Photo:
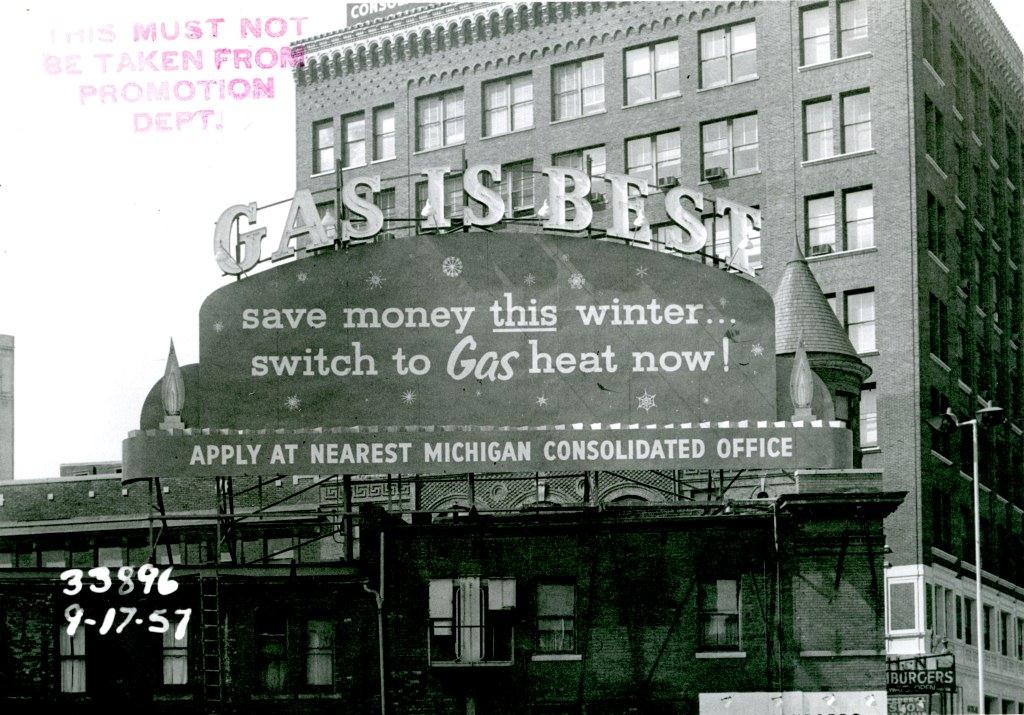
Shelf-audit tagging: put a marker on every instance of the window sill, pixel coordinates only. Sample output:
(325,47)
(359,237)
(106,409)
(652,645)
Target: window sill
(928,66)
(841,254)
(938,261)
(837,157)
(978,225)
(420,152)
(939,361)
(729,84)
(869,353)
(576,119)
(716,654)
(321,173)
(961,292)
(870,449)
(956,113)
(993,163)
(977,140)
(834,61)
(514,132)
(674,95)
(384,160)
(960,204)
(935,165)
(729,178)
(841,653)
(556,657)
(1010,184)
(941,458)
(964,387)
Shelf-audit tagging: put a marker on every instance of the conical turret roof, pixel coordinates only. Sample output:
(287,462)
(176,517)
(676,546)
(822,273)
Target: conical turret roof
(802,311)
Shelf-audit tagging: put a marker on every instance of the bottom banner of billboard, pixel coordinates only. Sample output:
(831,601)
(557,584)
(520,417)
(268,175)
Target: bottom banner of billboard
(213,453)
(845,702)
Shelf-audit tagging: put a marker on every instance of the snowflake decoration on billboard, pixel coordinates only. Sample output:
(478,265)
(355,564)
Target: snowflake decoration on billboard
(577,281)
(706,400)
(293,403)
(646,401)
(452,266)
(542,401)
(530,279)
(723,302)
(757,350)
(641,271)
(376,280)
(218,327)
(408,397)
(302,277)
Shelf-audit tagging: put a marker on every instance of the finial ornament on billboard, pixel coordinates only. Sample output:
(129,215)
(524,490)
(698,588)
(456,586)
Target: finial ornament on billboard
(567,187)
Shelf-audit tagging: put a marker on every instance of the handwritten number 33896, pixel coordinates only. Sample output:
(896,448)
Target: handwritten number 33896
(147,574)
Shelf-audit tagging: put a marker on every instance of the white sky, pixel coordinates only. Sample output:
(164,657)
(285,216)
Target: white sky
(106,233)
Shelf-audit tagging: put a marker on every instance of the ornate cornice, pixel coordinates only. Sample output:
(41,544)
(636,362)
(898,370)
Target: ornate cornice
(426,31)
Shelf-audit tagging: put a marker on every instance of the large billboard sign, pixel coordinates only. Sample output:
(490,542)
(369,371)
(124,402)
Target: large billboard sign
(487,330)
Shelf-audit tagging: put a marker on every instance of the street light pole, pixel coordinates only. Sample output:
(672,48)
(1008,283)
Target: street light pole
(977,567)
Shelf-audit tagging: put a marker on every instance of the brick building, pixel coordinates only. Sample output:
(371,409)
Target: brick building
(884,137)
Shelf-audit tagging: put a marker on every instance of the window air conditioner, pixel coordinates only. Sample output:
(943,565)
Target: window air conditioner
(667,182)
(715,173)
(598,200)
(820,250)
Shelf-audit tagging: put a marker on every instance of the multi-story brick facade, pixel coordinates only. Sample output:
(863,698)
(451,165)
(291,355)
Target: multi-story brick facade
(884,137)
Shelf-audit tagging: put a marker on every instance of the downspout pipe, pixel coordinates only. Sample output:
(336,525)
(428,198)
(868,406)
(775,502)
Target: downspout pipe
(378,597)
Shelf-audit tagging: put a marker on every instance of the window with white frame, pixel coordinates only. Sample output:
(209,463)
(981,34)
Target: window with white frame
(652,72)
(72,660)
(818,131)
(592,159)
(471,620)
(556,618)
(860,320)
(718,601)
(319,652)
(577,88)
(815,33)
(858,218)
(508,105)
(384,133)
(820,224)
(853,27)
(174,655)
(440,120)
(731,144)
(353,134)
(723,245)
(516,187)
(385,200)
(869,415)
(454,197)
(323,146)
(856,120)
(728,54)
(654,157)
(902,606)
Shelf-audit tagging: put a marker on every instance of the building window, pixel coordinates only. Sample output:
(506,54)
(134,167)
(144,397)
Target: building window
(323,146)
(728,54)
(353,133)
(723,245)
(853,27)
(935,215)
(577,88)
(931,37)
(328,220)
(942,536)
(986,626)
(440,120)
(72,660)
(719,603)
(270,650)
(556,618)
(110,556)
(731,144)
(654,157)
(319,652)
(1019,638)
(454,197)
(869,415)
(508,105)
(1004,633)
(820,212)
(591,159)
(856,111)
(54,558)
(175,655)
(384,133)
(818,132)
(516,187)
(935,132)
(902,606)
(938,328)
(385,200)
(858,219)
(815,31)
(652,72)
(860,320)
(471,620)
